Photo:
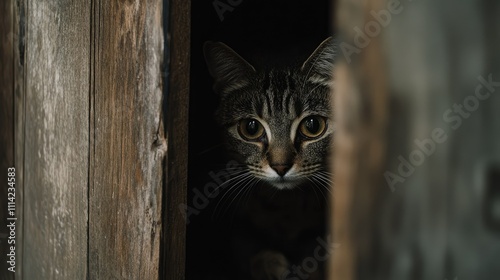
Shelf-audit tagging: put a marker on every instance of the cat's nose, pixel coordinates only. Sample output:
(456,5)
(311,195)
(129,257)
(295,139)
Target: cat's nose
(281,169)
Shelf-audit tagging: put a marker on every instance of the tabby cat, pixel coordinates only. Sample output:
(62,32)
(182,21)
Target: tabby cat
(277,123)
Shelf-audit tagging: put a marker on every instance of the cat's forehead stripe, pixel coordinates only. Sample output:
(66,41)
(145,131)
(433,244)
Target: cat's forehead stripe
(259,108)
(288,100)
(278,92)
(269,105)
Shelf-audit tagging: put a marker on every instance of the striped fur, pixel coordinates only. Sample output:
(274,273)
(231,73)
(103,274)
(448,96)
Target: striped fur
(279,99)
(275,231)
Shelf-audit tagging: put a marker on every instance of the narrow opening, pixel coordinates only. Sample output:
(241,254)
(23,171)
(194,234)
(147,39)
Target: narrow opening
(221,244)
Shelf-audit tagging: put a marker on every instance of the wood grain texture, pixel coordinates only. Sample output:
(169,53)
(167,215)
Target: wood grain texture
(6,124)
(127,144)
(174,229)
(56,146)
(19,124)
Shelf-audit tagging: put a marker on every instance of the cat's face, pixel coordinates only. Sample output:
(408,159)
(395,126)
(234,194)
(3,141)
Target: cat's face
(277,122)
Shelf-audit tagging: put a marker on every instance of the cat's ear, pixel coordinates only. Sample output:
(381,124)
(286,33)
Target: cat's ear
(319,66)
(229,70)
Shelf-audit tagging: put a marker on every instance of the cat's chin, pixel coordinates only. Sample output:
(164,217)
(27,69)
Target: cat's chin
(283,184)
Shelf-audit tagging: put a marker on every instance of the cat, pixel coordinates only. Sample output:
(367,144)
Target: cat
(277,123)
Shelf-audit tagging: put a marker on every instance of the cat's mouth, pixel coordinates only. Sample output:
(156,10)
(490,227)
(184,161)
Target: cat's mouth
(284,182)
(297,177)
(293,178)
(289,180)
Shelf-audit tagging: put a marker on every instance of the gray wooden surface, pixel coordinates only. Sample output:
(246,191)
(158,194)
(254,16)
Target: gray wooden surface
(81,96)
(437,221)
(19,124)
(56,143)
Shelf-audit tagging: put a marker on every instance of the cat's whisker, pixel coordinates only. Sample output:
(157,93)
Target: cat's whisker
(233,168)
(230,180)
(327,173)
(233,171)
(324,187)
(242,189)
(247,193)
(325,184)
(225,166)
(233,188)
(237,171)
(250,190)
(320,187)
(238,186)
(323,170)
(314,189)
(241,178)
(326,178)
(237,181)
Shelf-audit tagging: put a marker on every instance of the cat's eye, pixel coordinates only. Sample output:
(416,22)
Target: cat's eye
(250,129)
(312,127)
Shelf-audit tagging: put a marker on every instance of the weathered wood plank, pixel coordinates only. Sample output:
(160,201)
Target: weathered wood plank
(420,206)
(445,195)
(174,228)
(360,102)
(56,130)
(6,126)
(127,144)
(19,124)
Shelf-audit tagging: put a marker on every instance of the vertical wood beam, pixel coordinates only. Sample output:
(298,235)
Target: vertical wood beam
(420,109)
(126,139)
(360,106)
(6,128)
(19,124)
(174,228)
(56,133)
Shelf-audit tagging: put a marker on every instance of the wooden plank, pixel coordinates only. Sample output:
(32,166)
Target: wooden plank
(127,143)
(19,116)
(445,195)
(6,128)
(360,102)
(56,127)
(415,177)
(174,228)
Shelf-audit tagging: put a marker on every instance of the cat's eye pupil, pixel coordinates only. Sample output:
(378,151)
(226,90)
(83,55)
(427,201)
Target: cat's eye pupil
(313,125)
(252,127)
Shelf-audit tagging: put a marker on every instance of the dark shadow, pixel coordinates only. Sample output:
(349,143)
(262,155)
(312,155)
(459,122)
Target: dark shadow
(260,31)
